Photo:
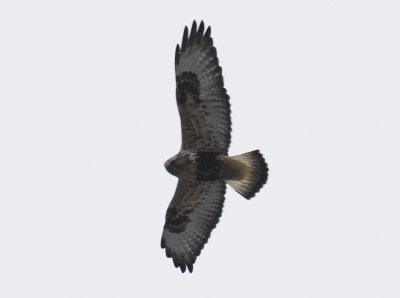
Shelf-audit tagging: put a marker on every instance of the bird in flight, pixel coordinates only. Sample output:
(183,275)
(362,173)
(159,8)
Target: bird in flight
(202,164)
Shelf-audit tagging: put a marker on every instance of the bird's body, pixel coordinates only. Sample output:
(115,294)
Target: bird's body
(196,166)
(203,165)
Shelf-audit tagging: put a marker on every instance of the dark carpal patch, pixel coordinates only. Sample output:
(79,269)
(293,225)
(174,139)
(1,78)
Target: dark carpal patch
(175,221)
(208,168)
(187,87)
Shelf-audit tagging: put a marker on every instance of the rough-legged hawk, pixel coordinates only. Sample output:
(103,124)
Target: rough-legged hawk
(203,165)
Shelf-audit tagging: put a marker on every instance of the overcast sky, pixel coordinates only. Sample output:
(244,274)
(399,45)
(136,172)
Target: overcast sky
(88,117)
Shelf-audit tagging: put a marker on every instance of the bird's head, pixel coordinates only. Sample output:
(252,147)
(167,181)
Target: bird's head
(171,165)
(176,165)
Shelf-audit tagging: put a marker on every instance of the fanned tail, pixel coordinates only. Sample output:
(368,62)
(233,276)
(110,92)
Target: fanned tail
(252,173)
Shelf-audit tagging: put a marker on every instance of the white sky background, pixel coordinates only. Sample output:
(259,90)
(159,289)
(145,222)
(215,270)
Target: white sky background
(88,117)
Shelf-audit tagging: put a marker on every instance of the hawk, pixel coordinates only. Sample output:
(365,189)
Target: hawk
(202,164)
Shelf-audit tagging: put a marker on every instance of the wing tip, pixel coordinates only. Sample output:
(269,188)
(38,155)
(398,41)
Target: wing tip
(186,260)
(177,54)
(196,35)
(200,31)
(193,33)
(178,263)
(185,38)
(162,242)
(183,268)
(190,267)
(208,32)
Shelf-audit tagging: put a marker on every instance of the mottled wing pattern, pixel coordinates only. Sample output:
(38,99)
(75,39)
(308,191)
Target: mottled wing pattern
(192,214)
(202,99)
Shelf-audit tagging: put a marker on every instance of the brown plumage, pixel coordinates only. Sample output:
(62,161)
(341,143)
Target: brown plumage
(203,165)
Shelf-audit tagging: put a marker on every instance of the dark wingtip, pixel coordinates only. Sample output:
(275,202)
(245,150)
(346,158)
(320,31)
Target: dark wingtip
(194,26)
(208,32)
(175,263)
(195,35)
(168,252)
(185,38)
(183,268)
(200,31)
(190,267)
(177,54)
(192,34)
(162,243)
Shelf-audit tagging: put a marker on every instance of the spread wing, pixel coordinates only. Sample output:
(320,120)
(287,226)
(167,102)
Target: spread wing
(202,100)
(192,214)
